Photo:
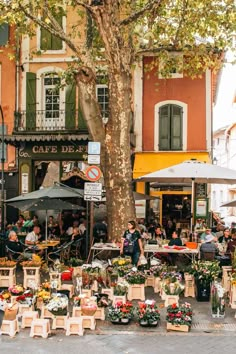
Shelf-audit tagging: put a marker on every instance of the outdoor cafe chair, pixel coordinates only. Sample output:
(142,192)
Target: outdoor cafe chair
(13,255)
(62,252)
(75,249)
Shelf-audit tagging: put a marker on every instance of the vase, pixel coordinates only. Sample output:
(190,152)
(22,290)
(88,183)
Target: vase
(203,290)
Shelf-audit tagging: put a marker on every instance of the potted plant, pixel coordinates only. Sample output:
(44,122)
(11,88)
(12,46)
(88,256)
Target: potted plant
(148,313)
(179,318)
(204,273)
(58,305)
(135,277)
(16,290)
(121,313)
(217,300)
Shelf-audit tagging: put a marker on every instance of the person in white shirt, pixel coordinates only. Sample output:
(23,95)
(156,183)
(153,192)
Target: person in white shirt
(33,237)
(82,227)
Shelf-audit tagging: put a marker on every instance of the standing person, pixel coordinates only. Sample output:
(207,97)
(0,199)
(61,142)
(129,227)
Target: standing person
(131,243)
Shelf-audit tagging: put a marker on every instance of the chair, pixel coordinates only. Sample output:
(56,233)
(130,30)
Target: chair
(75,249)
(62,252)
(13,255)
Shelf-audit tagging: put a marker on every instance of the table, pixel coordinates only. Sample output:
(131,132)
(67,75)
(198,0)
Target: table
(45,245)
(98,248)
(188,252)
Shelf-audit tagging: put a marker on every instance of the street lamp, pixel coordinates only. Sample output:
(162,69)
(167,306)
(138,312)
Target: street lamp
(2,172)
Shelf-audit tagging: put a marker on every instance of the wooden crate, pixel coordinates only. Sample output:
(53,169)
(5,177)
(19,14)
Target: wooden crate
(59,322)
(31,274)
(136,292)
(118,298)
(171,299)
(189,285)
(7,277)
(180,328)
(150,281)
(157,284)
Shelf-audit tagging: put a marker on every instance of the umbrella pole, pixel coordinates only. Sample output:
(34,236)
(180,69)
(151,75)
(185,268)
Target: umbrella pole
(192,205)
(46,226)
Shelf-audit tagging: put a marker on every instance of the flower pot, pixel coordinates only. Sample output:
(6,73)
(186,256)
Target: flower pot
(180,328)
(203,290)
(143,323)
(124,320)
(171,299)
(116,321)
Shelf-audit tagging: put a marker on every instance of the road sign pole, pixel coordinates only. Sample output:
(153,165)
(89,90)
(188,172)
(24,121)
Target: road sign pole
(87,229)
(91,221)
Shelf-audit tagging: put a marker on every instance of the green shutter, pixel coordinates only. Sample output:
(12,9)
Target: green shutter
(82,124)
(4,145)
(164,128)
(176,128)
(4,33)
(30,101)
(49,41)
(70,106)
(57,42)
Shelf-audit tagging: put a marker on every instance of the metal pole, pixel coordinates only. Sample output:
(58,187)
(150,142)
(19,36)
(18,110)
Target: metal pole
(87,229)
(2,173)
(192,205)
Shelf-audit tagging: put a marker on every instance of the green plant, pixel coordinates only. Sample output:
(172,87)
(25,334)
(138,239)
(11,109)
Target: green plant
(205,271)
(148,312)
(179,315)
(135,277)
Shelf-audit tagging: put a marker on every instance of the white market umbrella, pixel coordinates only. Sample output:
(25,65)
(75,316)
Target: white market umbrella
(192,171)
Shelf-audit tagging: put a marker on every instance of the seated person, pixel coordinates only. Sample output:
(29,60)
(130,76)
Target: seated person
(208,246)
(225,238)
(175,240)
(13,244)
(33,237)
(207,233)
(159,235)
(232,244)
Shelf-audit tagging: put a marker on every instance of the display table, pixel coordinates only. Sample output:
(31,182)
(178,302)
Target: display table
(188,252)
(98,248)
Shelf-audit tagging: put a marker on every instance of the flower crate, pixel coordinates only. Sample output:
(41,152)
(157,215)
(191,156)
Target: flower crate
(24,308)
(88,322)
(28,317)
(233,296)
(10,327)
(45,313)
(226,276)
(171,299)
(157,284)
(87,292)
(100,314)
(109,292)
(119,298)
(74,326)
(189,285)
(59,322)
(136,292)
(76,312)
(180,328)
(55,276)
(150,281)
(7,277)
(31,274)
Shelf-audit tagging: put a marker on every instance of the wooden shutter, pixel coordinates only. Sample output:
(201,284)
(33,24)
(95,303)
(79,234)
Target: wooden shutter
(49,41)
(70,106)
(176,127)
(4,33)
(30,101)
(57,42)
(164,128)
(4,145)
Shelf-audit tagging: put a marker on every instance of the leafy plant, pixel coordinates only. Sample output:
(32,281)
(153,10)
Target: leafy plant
(148,312)
(179,315)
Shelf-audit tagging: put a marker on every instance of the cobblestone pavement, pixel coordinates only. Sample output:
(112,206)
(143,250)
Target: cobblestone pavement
(125,343)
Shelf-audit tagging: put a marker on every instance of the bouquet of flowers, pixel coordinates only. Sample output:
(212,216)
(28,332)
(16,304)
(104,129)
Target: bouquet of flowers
(179,315)
(121,288)
(121,261)
(124,269)
(43,295)
(58,305)
(156,270)
(171,277)
(5,263)
(217,300)
(148,313)
(121,312)
(5,297)
(205,271)
(26,298)
(173,288)
(16,290)
(135,277)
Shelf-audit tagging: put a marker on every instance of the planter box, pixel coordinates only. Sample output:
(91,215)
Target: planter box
(77,271)
(157,284)
(59,322)
(31,275)
(118,298)
(76,312)
(136,292)
(87,292)
(100,314)
(180,328)
(171,299)
(233,296)
(57,277)
(109,292)
(7,277)
(24,308)
(189,285)
(150,281)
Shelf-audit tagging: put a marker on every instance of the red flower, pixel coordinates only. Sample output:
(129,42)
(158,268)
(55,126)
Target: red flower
(174,306)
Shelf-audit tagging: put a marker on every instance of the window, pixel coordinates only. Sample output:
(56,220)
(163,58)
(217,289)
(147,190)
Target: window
(174,65)
(52,97)
(103,100)
(170,127)
(48,41)
(4,34)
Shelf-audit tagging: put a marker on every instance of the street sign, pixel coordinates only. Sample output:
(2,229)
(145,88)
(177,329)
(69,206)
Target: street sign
(93,188)
(94,159)
(93,198)
(93,173)
(94,148)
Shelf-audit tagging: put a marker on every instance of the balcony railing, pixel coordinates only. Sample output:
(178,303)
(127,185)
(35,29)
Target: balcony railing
(47,121)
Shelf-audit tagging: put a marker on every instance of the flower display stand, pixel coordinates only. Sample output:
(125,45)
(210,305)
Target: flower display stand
(45,313)
(233,297)
(55,276)
(109,292)
(118,298)
(31,274)
(226,275)
(13,299)
(150,281)
(74,326)
(189,285)
(100,314)
(7,277)
(59,322)
(40,327)
(77,271)
(88,322)
(94,287)
(69,287)
(180,328)
(24,308)
(171,299)
(28,317)
(10,327)
(76,312)
(136,292)
(87,292)
(157,284)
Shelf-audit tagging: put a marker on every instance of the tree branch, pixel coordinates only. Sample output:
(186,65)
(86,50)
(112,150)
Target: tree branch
(184,10)
(136,15)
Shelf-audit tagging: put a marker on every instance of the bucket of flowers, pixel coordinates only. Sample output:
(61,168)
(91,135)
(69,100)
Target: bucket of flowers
(25,299)
(121,288)
(148,313)
(204,273)
(135,277)
(217,300)
(179,318)
(121,313)
(43,295)
(58,305)
(16,290)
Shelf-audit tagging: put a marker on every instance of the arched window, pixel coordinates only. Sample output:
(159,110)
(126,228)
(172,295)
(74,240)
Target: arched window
(170,126)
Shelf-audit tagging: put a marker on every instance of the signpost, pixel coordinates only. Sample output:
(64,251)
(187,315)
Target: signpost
(93,173)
